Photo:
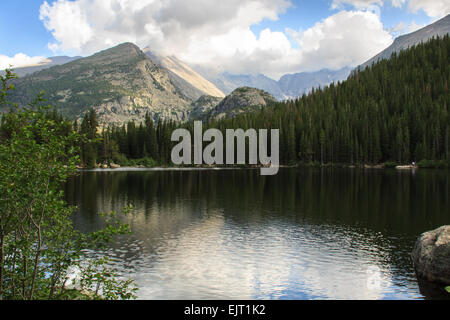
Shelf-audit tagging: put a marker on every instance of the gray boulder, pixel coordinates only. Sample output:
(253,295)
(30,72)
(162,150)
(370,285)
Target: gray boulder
(431,256)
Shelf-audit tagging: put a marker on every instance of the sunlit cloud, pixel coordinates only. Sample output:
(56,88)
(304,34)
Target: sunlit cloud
(19,60)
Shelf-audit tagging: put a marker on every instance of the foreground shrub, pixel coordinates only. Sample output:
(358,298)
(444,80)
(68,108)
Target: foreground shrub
(38,243)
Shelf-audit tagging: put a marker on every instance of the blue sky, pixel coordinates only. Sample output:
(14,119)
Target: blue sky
(195,30)
(21,30)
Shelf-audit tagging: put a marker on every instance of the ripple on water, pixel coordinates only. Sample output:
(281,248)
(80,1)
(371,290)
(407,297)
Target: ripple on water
(235,235)
(217,260)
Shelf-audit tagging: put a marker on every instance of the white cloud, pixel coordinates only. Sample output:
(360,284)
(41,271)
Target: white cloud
(218,35)
(19,60)
(359,4)
(337,41)
(403,28)
(398,3)
(86,26)
(399,27)
(240,51)
(294,35)
(433,8)
(414,27)
(68,24)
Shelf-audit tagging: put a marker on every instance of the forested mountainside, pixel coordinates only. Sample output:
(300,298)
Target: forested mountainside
(396,110)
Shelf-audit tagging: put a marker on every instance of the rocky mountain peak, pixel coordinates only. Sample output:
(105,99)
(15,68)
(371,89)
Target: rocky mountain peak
(120,83)
(244,99)
(121,53)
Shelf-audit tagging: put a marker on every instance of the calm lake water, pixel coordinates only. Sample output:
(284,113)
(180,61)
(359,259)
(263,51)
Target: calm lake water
(233,234)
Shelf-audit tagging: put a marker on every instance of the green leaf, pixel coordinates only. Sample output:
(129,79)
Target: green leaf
(447,289)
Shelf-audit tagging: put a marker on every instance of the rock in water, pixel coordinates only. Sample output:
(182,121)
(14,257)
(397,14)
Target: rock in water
(431,256)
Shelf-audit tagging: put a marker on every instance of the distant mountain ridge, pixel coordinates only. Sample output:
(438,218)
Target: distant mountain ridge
(439,28)
(228,82)
(295,85)
(44,64)
(288,87)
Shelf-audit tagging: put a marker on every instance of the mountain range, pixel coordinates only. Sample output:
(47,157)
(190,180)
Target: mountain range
(195,83)
(124,83)
(288,87)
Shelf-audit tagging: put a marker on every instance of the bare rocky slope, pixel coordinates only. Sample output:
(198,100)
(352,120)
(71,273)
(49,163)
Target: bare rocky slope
(191,83)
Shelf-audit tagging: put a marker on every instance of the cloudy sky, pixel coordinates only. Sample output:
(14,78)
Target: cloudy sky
(272,37)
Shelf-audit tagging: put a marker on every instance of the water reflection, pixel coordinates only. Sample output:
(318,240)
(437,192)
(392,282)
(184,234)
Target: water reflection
(233,234)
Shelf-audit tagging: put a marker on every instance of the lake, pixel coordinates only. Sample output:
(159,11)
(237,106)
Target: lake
(233,234)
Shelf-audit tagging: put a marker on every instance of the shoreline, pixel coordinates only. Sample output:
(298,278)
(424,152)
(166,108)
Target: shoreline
(301,165)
